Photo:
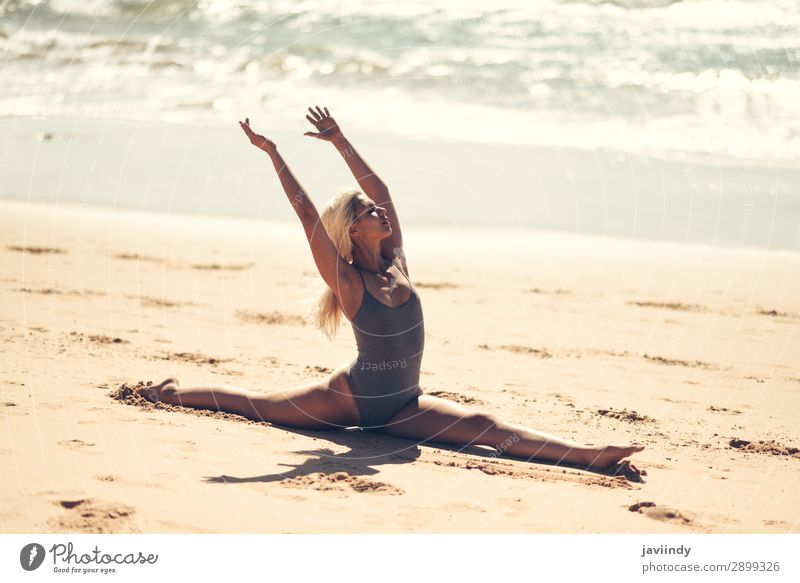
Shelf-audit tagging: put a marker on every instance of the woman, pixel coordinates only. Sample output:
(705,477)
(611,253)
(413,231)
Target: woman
(357,246)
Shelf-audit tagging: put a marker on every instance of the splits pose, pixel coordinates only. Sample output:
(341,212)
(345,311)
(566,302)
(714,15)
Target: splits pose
(357,246)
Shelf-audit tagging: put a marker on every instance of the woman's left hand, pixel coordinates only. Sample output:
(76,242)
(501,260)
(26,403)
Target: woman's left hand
(327,128)
(258,140)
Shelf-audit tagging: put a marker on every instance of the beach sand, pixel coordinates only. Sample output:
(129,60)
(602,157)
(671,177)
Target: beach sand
(693,351)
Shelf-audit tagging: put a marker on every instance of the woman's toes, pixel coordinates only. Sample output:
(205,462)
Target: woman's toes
(148,393)
(605,457)
(154,393)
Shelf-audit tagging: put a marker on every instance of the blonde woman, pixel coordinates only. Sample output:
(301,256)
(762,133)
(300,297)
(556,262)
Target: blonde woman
(357,245)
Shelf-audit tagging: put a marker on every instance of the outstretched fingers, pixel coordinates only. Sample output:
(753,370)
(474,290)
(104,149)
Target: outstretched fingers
(245,125)
(257,140)
(319,113)
(322,121)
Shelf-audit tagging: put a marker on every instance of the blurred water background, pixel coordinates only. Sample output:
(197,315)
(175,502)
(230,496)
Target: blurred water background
(664,109)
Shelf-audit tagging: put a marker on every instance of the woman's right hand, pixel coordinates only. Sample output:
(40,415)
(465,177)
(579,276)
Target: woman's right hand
(327,128)
(258,140)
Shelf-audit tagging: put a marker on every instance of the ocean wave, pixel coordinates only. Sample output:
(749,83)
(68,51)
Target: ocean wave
(605,73)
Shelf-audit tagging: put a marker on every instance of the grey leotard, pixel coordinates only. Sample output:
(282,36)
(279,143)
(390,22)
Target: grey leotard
(385,374)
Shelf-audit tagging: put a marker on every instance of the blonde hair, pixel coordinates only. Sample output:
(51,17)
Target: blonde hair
(337,217)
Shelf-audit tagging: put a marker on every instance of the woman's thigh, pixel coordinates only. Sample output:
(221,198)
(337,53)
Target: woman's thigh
(325,404)
(435,419)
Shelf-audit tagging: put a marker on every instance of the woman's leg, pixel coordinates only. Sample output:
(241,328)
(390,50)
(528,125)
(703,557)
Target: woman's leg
(319,405)
(434,419)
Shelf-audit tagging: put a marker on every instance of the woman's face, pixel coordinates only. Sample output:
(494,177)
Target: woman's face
(371,222)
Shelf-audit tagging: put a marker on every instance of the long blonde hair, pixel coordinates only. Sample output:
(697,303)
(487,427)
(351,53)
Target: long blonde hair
(337,217)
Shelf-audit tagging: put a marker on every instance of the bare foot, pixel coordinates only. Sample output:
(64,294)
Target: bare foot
(602,458)
(157,392)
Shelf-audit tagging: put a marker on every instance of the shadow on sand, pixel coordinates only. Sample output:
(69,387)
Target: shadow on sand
(369,450)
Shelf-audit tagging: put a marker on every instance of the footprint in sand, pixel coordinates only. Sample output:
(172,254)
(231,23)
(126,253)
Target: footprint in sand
(457,397)
(540,352)
(36,250)
(625,415)
(660,513)
(101,339)
(599,351)
(75,444)
(677,306)
(441,285)
(723,410)
(319,369)
(778,314)
(94,516)
(342,482)
(106,478)
(567,400)
(194,357)
(218,267)
(678,362)
(46,291)
(756,379)
(488,468)
(270,318)
(558,292)
(97,338)
(770,447)
(149,302)
(137,257)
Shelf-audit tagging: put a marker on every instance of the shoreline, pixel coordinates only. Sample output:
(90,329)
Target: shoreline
(210,170)
(569,238)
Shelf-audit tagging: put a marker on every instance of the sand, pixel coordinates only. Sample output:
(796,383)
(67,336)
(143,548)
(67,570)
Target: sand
(693,351)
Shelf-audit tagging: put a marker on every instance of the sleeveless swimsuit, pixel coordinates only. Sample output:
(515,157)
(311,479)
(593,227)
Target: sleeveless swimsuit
(385,374)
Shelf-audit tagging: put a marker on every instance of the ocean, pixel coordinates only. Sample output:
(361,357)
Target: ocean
(708,85)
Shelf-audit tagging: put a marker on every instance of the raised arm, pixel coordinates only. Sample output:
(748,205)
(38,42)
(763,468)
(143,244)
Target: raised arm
(370,183)
(336,272)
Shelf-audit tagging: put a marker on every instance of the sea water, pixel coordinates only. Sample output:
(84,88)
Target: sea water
(709,83)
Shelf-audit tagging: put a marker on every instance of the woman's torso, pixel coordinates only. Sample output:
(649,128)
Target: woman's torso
(390,339)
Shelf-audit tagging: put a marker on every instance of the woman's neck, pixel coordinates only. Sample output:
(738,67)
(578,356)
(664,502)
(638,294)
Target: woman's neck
(371,261)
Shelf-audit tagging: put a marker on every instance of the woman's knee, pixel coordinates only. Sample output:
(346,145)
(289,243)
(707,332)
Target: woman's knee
(169,391)
(480,423)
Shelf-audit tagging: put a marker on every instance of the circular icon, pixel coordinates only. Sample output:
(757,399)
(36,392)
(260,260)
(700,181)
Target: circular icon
(31,556)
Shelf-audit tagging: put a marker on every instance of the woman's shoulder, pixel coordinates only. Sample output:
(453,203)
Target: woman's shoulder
(398,258)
